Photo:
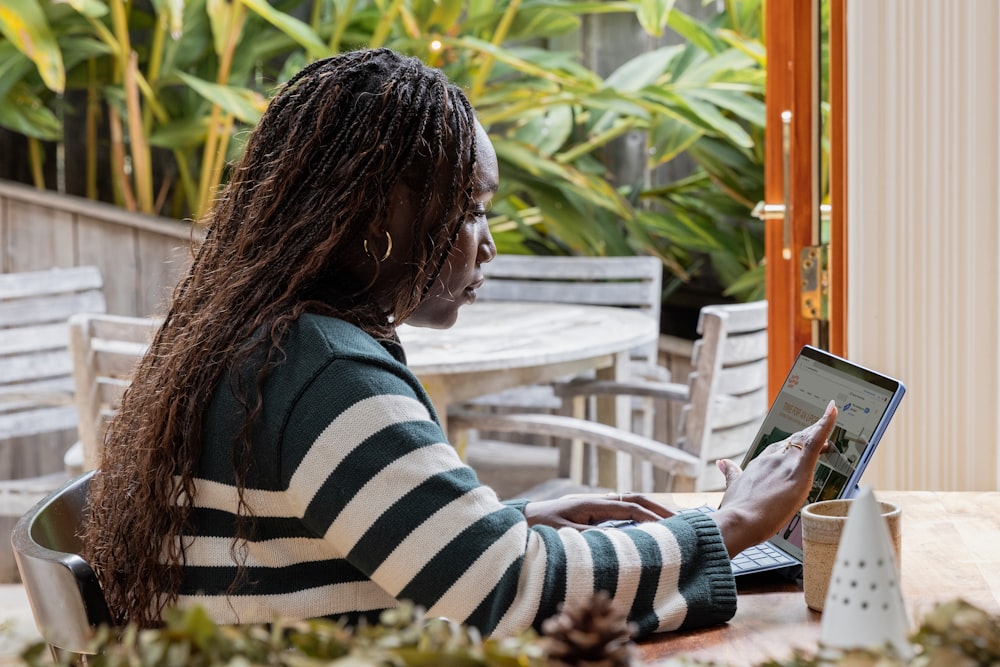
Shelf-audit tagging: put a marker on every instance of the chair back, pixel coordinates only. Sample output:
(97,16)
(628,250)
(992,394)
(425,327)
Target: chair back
(105,350)
(36,382)
(63,591)
(626,282)
(727,387)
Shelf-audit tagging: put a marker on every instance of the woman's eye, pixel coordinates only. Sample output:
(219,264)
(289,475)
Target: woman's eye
(479,211)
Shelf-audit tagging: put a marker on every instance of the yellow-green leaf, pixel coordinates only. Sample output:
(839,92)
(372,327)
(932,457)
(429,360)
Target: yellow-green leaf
(94,9)
(246,105)
(24,24)
(653,15)
(24,113)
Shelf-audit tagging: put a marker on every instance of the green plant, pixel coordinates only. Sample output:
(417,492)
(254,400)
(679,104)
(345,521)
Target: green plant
(953,633)
(177,83)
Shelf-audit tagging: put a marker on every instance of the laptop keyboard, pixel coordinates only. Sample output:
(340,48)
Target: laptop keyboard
(761,556)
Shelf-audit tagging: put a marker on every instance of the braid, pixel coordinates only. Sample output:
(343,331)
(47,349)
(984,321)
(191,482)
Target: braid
(315,178)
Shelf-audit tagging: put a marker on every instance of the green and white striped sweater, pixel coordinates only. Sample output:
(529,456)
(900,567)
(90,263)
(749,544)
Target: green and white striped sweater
(359,501)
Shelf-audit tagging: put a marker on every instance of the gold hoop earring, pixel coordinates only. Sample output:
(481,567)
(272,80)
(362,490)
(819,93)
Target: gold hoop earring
(388,248)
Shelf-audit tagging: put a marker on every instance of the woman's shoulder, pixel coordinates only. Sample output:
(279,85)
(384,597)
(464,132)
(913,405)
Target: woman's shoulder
(332,337)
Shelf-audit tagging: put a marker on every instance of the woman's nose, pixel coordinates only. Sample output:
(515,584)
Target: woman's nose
(487,248)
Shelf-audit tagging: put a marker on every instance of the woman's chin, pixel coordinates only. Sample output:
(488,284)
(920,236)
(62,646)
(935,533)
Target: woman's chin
(439,318)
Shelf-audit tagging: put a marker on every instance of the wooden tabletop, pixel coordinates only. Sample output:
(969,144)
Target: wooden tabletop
(505,335)
(950,550)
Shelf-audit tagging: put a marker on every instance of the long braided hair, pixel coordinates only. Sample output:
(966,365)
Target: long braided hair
(313,184)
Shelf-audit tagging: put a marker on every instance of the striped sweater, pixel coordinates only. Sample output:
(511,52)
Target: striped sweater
(359,501)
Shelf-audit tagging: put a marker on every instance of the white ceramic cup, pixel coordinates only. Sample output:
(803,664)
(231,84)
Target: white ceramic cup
(822,525)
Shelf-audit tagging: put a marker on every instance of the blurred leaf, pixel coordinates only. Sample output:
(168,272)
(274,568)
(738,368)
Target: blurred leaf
(244,104)
(643,69)
(23,23)
(694,32)
(653,15)
(670,138)
(289,25)
(14,65)
(547,131)
(23,112)
(90,8)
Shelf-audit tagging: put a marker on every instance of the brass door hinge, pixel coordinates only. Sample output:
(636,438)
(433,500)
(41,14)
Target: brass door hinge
(815,279)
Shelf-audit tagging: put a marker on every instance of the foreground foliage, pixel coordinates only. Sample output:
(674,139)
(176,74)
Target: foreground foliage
(954,634)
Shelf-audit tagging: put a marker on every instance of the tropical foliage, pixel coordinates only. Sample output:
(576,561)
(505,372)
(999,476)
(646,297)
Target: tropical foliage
(177,84)
(954,633)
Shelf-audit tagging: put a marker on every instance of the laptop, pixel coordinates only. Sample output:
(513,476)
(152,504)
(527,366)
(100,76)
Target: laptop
(866,401)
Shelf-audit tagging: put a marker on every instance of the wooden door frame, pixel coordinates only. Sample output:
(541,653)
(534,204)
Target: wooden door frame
(791,36)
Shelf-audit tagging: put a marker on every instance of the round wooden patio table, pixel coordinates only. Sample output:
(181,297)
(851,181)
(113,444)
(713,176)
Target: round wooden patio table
(497,345)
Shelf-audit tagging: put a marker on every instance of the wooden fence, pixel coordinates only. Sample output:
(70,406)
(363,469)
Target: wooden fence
(141,257)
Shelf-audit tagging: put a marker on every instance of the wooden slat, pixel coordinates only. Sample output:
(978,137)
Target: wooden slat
(575,268)
(33,338)
(731,443)
(37,366)
(55,281)
(35,422)
(729,411)
(636,295)
(114,357)
(746,348)
(742,379)
(740,318)
(36,310)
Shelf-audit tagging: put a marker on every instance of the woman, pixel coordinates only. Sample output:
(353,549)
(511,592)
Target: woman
(275,457)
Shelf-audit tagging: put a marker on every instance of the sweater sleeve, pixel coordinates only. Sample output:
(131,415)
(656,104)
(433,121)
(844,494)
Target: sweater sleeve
(379,482)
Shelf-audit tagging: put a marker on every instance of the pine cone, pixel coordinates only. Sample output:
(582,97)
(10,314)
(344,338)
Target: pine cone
(590,635)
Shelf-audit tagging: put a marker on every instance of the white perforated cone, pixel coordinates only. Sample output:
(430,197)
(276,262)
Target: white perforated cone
(864,605)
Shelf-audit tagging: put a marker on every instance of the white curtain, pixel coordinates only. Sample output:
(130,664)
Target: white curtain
(923,184)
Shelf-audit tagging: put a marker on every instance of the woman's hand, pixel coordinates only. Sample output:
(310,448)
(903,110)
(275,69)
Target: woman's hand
(765,496)
(585,512)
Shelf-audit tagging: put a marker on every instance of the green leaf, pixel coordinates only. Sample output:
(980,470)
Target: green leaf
(683,229)
(669,138)
(14,66)
(180,134)
(695,32)
(746,107)
(23,112)
(94,9)
(291,26)
(653,15)
(643,70)
(24,24)
(548,131)
(246,105)
(714,118)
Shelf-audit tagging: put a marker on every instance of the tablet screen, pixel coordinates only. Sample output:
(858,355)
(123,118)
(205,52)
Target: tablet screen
(865,402)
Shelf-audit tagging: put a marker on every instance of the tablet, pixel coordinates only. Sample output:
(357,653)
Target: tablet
(866,401)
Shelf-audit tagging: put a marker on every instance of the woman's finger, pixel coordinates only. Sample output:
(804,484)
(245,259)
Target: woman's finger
(729,469)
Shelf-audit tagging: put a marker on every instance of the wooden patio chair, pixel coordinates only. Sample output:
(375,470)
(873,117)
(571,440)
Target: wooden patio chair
(37,414)
(105,350)
(624,282)
(725,401)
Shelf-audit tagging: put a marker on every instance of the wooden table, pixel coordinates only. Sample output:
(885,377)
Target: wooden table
(497,345)
(950,549)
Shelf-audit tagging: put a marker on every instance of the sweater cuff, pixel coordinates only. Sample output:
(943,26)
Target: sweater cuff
(712,600)
(517,503)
